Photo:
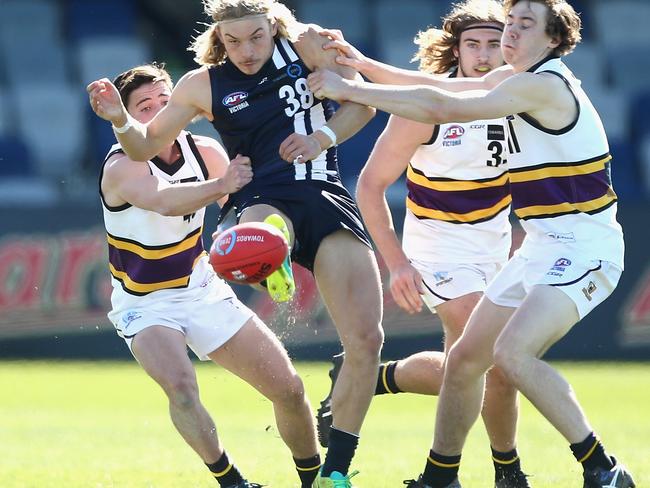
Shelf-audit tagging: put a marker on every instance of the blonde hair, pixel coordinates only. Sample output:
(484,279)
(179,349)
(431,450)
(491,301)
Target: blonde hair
(562,23)
(210,51)
(436,46)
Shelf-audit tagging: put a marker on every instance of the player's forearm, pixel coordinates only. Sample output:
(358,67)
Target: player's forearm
(184,198)
(379,72)
(379,222)
(138,143)
(349,119)
(419,103)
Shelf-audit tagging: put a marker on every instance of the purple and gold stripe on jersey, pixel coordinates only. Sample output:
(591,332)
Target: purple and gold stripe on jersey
(554,189)
(144,269)
(456,201)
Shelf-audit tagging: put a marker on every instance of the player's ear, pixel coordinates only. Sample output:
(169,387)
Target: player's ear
(274,28)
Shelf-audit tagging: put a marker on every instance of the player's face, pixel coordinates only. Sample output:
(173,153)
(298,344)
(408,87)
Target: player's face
(524,41)
(479,51)
(248,42)
(147,100)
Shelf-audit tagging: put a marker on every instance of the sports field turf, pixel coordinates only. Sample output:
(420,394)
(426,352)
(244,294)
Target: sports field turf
(105,424)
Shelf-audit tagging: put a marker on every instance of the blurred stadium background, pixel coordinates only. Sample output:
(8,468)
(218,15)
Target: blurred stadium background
(54,286)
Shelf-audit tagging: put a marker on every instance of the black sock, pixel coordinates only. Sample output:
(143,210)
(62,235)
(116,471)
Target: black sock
(340,452)
(505,463)
(307,470)
(591,453)
(440,470)
(224,472)
(386,379)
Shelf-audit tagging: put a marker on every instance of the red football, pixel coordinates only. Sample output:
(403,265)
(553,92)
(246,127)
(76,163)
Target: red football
(248,253)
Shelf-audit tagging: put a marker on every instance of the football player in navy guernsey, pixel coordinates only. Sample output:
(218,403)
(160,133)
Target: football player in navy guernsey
(166,296)
(456,230)
(255,59)
(572,256)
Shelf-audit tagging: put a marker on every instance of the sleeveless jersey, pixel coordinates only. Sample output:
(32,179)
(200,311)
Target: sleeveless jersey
(560,179)
(458,195)
(151,254)
(255,113)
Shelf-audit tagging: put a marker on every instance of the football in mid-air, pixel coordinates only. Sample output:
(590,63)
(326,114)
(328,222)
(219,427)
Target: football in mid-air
(248,253)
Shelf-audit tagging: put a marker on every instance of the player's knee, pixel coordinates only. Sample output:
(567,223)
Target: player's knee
(364,343)
(290,391)
(498,382)
(182,390)
(508,361)
(462,364)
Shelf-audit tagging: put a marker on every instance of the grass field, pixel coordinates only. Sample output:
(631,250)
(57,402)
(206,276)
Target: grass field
(92,425)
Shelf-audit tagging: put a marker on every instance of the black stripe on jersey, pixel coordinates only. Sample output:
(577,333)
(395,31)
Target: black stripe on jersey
(600,265)
(108,207)
(172,168)
(513,137)
(559,165)
(551,216)
(432,178)
(308,129)
(155,248)
(197,155)
(555,132)
(434,135)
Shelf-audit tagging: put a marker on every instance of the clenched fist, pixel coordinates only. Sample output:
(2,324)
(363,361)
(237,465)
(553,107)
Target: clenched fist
(238,174)
(106,102)
(327,84)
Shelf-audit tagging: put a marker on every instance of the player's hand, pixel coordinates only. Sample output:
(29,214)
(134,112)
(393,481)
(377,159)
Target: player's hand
(348,54)
(106,102)
(238,174)
(327,84)
(406,287)
(300,148)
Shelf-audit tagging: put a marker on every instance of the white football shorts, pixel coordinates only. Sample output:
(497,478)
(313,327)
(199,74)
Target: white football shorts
(446,281)
(205,316)
(587,282)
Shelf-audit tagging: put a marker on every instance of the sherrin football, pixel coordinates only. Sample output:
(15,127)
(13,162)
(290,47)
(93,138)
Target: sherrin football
(248,253)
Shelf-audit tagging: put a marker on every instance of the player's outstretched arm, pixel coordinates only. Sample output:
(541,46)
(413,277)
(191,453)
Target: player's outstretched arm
(378,72)
(525,92)
(127,181)
(140,141)
(388,160)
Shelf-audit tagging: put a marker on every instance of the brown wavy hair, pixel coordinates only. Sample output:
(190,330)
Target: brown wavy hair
(134,78)
(436,46)
(562,23)
(210,51)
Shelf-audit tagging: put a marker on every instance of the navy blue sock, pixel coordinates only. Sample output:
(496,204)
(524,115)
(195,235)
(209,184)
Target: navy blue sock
(591,453)
(224,472)
(505,463)
(386,379)
(440,470)
(340,452)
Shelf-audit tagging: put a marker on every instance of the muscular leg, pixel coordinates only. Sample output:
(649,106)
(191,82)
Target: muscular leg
(348,279)
(256,355)
(461,396)
(162,353)
(544,317)
(257,213)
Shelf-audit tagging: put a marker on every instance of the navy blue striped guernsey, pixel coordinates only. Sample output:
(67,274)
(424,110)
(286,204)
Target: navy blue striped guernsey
(255,113)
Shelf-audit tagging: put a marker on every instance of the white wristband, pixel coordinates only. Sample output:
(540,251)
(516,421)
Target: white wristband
(329,133)
(124,128)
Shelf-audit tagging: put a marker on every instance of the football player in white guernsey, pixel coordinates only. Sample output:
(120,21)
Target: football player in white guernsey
(166,295)
(572,256)
(457,230)
(247,40)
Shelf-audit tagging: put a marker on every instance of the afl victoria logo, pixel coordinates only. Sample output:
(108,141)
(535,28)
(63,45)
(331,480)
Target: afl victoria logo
(294,70)
(454,132)
(225,244)
(234,99)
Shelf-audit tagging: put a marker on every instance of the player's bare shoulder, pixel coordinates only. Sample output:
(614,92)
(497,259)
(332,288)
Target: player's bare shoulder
(213,154)
(194,89)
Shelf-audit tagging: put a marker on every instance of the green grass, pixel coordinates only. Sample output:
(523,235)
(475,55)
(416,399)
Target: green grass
(100,425)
